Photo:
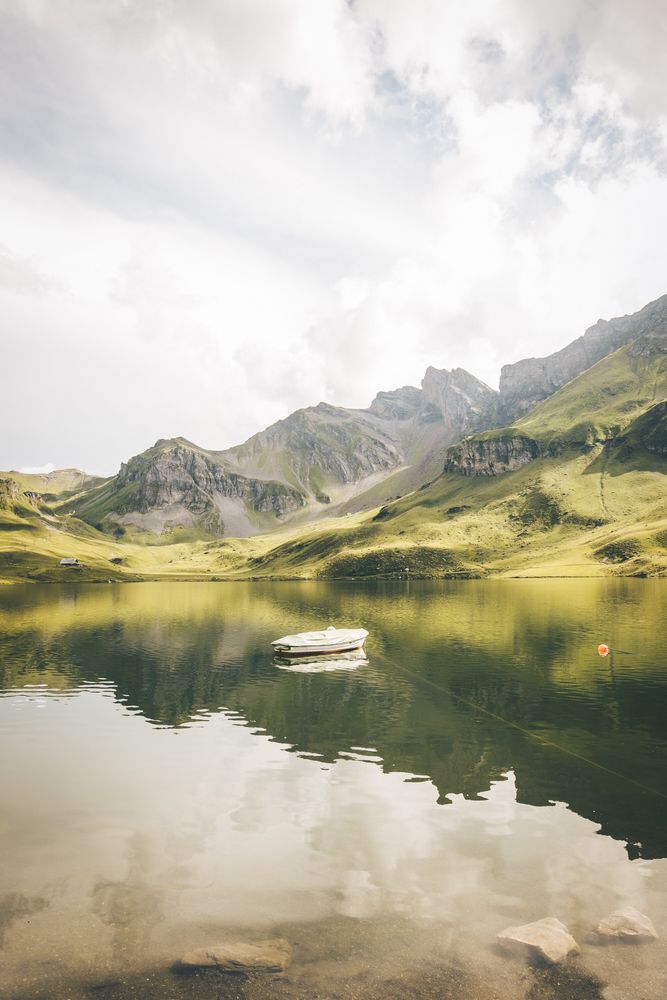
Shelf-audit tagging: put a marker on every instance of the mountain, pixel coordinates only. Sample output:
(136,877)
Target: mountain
(433,481)
(528,382)
(176,484)
(324,460)
(58,484)
(304,465)
(578,486)
(331,453)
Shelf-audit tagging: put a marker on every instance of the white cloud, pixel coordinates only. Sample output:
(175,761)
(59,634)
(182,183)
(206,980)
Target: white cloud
(38,470)
(216,212)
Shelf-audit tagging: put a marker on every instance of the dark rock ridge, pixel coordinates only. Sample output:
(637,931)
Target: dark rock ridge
(464,402)
(528,382)
(493,456)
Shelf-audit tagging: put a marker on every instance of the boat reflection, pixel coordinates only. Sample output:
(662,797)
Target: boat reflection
(321,664)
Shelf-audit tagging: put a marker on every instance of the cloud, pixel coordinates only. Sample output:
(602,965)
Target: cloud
(216,212)
(38,470)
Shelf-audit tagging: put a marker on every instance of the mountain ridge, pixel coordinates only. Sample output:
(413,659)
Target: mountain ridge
(325,458)
(424,479)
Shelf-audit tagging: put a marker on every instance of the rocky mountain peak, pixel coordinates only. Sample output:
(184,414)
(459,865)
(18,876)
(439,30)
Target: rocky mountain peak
(398,404)
(528,382)
(465,402)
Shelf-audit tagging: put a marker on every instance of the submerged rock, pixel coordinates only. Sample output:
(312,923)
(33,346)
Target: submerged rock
(240,956)
(547,939)
(627,924)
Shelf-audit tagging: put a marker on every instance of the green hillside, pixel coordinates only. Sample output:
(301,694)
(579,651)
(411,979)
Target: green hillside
(592,502)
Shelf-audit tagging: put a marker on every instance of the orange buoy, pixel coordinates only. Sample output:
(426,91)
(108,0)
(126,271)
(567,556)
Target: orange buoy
(603,649)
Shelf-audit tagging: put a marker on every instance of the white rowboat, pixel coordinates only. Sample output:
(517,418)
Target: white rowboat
(330,640)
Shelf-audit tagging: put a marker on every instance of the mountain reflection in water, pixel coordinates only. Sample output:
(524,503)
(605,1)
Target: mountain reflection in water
(484,760)
(451,666)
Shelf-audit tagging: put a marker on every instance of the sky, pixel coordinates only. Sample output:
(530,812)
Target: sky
(213,212)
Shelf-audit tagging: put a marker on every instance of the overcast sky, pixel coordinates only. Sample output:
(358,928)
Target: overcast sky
(213,212)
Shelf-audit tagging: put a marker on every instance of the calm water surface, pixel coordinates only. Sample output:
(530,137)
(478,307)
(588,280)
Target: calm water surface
(165,786)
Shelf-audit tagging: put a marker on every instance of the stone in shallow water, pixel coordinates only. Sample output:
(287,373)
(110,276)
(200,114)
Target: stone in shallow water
(627,924)
(240,956)
(547,939)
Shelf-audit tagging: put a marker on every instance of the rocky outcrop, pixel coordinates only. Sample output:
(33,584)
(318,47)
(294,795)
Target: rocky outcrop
(175,483)
(9,492)
(528,382)
(240,956)
(548,940)
(398,404)
(650,345)
(465,403)
(493,456)
(627,924)
(174,472)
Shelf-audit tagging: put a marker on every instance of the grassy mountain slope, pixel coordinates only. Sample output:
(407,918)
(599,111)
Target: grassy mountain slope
(590,500)
(56,485)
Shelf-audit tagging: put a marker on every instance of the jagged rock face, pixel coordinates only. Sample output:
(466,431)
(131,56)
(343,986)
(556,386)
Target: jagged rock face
(399,404)
(172,474)
(465,403)
(477,457)
(11,494)
(650,344)
(528,382)
(9,491)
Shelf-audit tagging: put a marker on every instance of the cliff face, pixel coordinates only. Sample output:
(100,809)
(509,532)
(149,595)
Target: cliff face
(528,382)
(398,404)
(492,457)
(9,492)
(465,403)
(172,472)
(177,484)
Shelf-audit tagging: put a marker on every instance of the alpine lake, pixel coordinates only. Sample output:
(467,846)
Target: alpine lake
(165,786)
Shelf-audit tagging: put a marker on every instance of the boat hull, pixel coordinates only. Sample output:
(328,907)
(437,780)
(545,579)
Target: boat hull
(324,649)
